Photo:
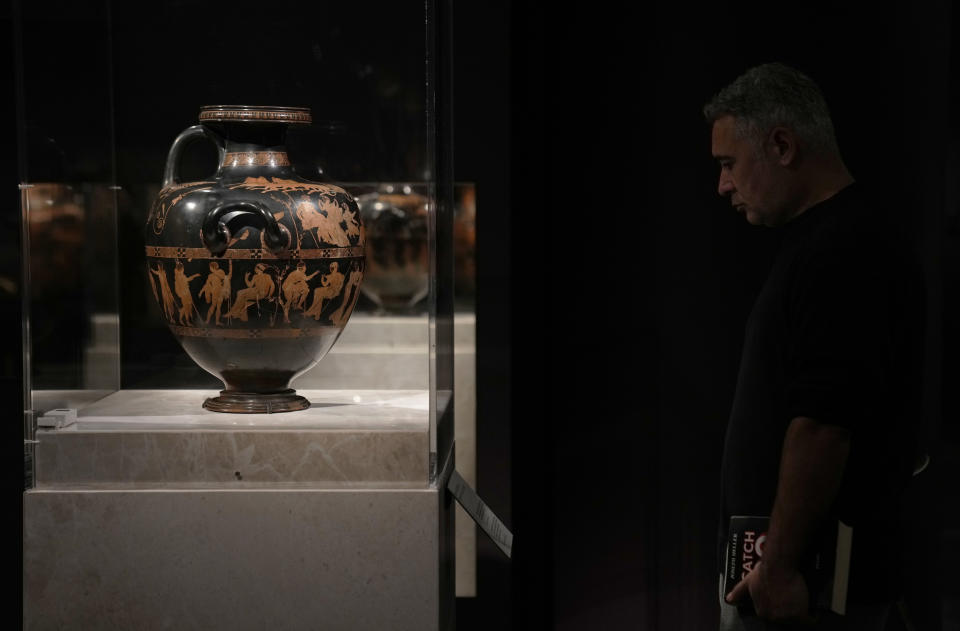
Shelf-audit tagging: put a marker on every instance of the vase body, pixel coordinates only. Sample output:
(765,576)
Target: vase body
(256,270)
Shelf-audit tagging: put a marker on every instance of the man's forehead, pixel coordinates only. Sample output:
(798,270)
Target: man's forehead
(724,126)
(723,136)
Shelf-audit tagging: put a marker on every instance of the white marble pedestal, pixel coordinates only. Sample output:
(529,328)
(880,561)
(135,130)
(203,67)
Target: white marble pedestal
(151,513)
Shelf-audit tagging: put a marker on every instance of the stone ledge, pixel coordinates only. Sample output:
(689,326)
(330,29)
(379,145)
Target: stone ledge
(157,438)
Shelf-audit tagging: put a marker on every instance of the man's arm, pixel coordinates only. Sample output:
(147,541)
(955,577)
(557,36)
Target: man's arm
(811,469)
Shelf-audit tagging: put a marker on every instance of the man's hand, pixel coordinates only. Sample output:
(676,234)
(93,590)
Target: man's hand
(811,470)
(778,596)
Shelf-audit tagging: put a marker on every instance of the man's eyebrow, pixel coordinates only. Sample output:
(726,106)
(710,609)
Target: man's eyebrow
(721,157)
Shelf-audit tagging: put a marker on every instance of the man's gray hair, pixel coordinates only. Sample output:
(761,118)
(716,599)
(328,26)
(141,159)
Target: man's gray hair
(771,95)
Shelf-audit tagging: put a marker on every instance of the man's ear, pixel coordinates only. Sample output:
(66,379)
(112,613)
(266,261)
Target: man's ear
(784,144)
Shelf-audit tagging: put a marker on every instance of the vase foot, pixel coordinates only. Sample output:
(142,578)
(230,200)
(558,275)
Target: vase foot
(254,403)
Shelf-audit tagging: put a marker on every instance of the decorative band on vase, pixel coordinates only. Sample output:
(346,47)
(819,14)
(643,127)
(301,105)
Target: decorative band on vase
(253,113)
(255,159)
(252,334)
(170,252)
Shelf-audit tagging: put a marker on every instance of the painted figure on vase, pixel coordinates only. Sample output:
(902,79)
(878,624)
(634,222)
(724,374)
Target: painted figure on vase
(350,295)
(330,286)
(216,290)
(181,283)
(296,289)
(169,306)
(260,286)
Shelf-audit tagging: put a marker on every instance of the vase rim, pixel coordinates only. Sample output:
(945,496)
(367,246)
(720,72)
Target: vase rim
(255,113)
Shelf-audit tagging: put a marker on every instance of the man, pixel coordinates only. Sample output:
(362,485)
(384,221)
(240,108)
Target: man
(821,427)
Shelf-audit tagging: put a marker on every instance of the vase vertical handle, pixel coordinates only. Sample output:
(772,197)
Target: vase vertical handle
(187,136)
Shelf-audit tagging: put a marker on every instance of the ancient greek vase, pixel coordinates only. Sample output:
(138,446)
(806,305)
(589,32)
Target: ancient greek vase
(256,270)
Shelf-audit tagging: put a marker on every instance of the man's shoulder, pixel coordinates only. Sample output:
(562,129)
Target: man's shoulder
(856,227)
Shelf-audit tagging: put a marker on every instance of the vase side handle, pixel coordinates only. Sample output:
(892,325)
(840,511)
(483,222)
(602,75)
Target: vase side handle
(187,136)
(228,218)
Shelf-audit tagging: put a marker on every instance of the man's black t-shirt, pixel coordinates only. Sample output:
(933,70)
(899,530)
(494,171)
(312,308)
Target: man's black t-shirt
(833,336)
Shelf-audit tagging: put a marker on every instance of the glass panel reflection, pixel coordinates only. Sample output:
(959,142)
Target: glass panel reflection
(73,323)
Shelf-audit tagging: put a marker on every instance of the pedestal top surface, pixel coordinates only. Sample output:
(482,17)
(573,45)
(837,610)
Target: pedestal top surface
(152,410)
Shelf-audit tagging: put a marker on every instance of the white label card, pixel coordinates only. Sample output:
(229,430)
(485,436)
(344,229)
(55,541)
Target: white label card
(488,522)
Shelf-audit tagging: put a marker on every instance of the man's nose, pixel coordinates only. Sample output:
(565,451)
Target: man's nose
(726,185)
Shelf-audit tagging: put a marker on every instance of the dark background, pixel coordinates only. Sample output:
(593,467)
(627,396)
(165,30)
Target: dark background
(613,284)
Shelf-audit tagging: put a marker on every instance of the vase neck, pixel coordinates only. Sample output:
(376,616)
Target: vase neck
(251,146)
(245,159)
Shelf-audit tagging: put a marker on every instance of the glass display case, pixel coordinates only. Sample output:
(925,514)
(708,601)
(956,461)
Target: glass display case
(112,401)
(91,168)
